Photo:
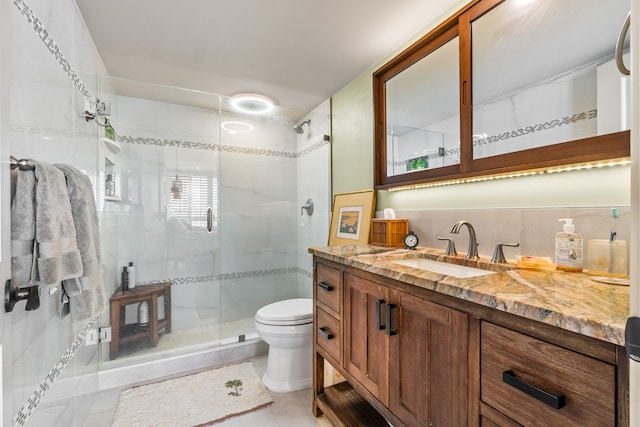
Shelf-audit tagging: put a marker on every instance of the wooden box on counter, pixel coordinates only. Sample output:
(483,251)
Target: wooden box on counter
(389,232)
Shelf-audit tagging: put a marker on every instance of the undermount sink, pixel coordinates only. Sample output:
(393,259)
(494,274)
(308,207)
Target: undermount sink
(459,271)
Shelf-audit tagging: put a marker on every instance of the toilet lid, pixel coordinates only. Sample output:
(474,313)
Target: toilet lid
(288,312)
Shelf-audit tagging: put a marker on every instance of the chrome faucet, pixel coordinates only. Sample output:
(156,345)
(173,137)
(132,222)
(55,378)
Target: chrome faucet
(473,244)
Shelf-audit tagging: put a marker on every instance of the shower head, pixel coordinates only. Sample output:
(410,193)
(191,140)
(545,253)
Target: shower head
(298,128)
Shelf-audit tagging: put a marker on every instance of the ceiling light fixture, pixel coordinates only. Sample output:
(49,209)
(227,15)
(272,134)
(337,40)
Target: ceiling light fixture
(237,127)
(251,103)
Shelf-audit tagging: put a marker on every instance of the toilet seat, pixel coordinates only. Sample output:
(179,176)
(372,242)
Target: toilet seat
(298,311)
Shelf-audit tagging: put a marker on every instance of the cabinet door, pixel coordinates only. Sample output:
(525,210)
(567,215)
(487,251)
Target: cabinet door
(428,365)
(366,345)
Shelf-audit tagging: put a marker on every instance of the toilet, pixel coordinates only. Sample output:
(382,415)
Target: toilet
(287,326)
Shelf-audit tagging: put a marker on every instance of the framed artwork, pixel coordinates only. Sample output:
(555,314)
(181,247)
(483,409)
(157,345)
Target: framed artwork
(351,218)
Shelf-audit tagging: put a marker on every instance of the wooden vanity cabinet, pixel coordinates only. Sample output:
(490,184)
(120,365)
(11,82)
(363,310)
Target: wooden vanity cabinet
(327,313)
(409,354)
(428,362)
(366,341)
(420,358)
(534,382)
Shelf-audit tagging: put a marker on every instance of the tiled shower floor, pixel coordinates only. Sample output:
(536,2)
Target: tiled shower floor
(193,338)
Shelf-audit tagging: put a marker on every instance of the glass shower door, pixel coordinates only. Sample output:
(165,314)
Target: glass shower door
(259,215)
(163,217)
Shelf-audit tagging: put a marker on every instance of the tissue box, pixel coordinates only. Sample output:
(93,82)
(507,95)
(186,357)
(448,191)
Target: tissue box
(389,232)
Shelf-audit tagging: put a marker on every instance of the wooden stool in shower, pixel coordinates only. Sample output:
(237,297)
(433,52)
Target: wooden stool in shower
(122,333)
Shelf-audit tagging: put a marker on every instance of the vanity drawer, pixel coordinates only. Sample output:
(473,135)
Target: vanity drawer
(328,287)
(538,383)
(328,333)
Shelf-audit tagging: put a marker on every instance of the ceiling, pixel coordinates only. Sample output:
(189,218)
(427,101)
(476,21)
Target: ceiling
(297,52)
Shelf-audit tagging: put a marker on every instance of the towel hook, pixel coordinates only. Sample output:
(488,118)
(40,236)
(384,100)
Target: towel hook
(12,295)
(22,164)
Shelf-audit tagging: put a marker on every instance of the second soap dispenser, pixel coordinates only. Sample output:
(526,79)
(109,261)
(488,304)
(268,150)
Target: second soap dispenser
(569,248)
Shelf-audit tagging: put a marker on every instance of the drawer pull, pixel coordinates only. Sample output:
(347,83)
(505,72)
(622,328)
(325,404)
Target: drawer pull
(389,330)
(555,401)
(379,324)
(326,335)
(325,286)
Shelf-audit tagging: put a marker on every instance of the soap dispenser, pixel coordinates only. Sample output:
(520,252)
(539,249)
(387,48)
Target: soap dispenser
(109,132)
(569,248)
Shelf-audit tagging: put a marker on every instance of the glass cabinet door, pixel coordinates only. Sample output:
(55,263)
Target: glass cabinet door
(544,73)
(423,114)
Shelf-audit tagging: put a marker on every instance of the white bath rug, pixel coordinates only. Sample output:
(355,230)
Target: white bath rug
(200,399)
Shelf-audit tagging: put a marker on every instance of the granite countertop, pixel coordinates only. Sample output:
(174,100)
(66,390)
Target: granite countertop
(571,301)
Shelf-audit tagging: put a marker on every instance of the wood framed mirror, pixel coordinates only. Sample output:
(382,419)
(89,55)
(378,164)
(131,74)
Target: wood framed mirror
(504,86)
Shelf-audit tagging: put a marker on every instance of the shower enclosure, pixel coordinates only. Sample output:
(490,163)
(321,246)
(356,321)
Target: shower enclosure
(206,198)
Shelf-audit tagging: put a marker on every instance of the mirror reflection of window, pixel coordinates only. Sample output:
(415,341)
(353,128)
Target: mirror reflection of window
(544,73)
(423,115)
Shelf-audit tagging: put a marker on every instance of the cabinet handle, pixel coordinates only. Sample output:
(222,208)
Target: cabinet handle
(326,335)
(379,324)
(555,401)
(326,287)
(623,34)
(389,330)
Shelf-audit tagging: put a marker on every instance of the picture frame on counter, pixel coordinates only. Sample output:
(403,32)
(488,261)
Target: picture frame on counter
(351,216)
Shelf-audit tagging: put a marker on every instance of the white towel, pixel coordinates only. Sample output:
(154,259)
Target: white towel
(41,214)
(86,295)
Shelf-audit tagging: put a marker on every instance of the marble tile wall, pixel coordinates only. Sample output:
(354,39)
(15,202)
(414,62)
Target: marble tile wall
(314,182)
(534,229)
(51,67)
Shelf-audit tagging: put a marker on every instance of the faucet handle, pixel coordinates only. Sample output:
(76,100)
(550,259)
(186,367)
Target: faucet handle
(498,254)
(451,246)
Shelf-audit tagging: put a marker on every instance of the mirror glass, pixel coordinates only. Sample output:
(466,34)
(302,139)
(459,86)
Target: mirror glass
(423,113)
(544,72)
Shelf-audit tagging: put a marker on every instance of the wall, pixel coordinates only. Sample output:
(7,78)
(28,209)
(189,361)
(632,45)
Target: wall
(313,182)
(49,67)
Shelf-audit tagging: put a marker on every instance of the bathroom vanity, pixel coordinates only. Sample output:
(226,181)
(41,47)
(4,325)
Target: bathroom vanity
(502,347)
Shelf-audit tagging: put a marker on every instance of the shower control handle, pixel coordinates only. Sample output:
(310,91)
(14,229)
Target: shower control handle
(307,207)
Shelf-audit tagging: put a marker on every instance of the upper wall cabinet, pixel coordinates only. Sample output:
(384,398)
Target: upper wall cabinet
(504,86)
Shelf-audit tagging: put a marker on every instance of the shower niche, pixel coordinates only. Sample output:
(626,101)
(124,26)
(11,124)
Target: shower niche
(110,173)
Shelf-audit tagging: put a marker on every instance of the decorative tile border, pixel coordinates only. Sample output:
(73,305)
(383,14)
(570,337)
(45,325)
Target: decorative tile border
(551,124)
(36,397)
(320,142)
(51,45)
(231,276)
(220,148)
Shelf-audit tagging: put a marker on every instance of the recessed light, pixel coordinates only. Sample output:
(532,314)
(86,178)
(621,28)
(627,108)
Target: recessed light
(251,103)
(236,127)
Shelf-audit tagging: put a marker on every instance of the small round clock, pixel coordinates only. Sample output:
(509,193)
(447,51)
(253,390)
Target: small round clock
(411,240)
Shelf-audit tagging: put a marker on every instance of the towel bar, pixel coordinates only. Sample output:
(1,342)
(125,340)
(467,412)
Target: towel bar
(22,164)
